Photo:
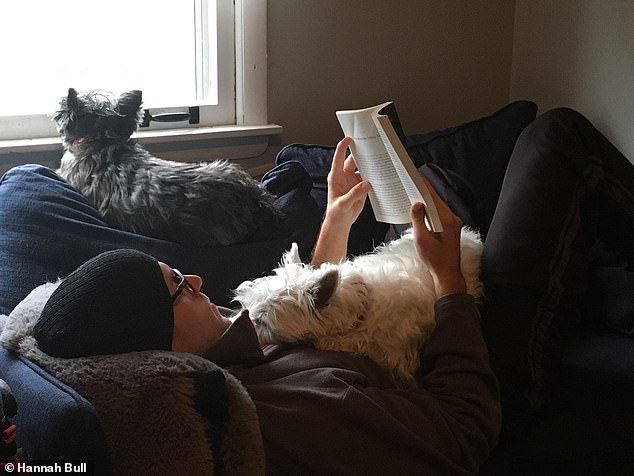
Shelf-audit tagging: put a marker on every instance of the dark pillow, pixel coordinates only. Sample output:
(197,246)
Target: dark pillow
(47,229)
(478,151)
(609,301)
(366,233)
(615,304)
(468,162)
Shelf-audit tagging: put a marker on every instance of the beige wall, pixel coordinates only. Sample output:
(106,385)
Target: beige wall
(578,53)
(441,61)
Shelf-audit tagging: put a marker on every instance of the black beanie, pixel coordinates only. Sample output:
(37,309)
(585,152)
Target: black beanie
(116,302)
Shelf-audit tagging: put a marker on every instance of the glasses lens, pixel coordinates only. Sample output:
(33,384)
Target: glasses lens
(181,282)
(177,277)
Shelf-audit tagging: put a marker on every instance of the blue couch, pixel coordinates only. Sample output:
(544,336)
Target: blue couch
(54,422)
(47,229)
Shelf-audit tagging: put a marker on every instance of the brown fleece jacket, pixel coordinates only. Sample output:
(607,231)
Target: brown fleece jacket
(333,413)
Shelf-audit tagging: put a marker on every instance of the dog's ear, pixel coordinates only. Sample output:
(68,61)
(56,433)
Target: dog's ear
(129,103)
(291,256)
(69,106)
(71,99)
(325,288)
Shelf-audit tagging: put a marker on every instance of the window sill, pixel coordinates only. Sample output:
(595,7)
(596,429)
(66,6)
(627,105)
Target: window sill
(252,135)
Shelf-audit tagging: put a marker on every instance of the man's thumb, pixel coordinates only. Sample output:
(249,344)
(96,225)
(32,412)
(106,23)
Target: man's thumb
(417,212)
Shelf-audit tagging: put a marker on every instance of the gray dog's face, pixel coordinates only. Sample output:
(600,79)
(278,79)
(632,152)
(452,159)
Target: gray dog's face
(97,115)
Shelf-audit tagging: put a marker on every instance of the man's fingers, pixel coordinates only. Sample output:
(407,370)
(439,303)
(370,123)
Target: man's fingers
(338,159)
(358,192)
(349,165)
(361,189)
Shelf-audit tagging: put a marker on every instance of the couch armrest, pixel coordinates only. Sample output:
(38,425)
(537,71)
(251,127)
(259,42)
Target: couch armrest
(54,422)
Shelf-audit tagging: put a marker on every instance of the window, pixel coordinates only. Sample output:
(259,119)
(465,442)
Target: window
(180,53)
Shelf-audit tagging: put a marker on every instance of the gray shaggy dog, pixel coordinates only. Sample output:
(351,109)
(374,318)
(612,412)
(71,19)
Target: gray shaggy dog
(204,204)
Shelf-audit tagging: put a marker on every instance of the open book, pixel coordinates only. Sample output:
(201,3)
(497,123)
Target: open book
(381,157)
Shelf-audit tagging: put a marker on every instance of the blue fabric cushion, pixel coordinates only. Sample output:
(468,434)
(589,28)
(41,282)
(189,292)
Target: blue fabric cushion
(366,233)
(63,426)
(47,229)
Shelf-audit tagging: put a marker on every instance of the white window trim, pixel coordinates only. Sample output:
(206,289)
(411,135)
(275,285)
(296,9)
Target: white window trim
(251,99)
(251,58)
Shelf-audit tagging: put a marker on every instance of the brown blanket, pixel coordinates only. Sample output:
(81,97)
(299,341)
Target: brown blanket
(145,403)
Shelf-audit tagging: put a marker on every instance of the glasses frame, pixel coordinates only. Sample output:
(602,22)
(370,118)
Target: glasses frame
(182,284)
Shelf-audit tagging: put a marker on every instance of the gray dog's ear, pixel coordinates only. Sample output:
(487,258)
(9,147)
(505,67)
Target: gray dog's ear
(325,288)
(71,99)
(129,103)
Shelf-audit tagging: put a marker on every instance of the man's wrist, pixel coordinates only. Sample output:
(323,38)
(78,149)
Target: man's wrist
(451,284)
(335,228)
(335,219)
(332,242)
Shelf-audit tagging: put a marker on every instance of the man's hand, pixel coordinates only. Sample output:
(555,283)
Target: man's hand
(346,197)
(346,190)
(440,251)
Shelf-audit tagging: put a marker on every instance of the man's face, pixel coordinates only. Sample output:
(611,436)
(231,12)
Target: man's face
(197,322)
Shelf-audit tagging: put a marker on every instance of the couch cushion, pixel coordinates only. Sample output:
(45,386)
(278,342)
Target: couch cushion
(586,427)
(610,296)
(47,229)
(478,151)
(366,232)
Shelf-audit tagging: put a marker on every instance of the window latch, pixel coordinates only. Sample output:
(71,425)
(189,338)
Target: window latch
(193,116)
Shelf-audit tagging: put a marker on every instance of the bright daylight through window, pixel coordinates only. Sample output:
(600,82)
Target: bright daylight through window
(179,53)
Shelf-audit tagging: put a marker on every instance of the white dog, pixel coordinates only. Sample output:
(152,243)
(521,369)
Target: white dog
(380,305)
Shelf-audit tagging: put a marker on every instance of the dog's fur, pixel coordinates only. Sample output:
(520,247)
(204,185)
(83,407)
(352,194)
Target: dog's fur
(200,204)
(380,305)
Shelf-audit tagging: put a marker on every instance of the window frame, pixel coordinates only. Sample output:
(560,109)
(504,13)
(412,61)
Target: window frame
(248,90)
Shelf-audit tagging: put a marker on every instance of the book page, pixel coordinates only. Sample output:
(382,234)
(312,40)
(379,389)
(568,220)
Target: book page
(389,198)
(413,184)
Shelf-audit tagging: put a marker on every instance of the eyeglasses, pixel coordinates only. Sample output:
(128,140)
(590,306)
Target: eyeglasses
(182,283)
